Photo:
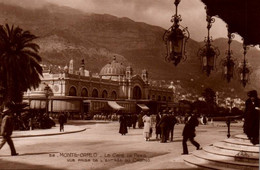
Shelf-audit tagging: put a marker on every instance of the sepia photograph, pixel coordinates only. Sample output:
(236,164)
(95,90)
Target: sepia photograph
(129,84)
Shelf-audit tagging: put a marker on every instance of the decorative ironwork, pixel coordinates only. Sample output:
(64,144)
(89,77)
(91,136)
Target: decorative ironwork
(228,63)
(208,53)
(243,69)
(175,39)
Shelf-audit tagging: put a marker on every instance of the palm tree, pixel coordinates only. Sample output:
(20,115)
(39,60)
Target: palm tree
(19,63)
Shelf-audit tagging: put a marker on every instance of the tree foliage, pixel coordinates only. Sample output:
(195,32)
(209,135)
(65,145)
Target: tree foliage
(19,63)
(209,95)
(210,99)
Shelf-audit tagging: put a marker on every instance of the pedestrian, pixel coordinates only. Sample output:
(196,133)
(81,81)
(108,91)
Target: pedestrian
(7,130)
(123,125)
(129,121)
(31,123)
(140,120)
(189,133)
(163,125)
(251,117)
(172,122)
(134,118)
(147,131)
(157,127)
(62,120)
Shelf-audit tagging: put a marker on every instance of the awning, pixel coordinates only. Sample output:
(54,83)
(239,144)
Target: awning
(37,104)
(143,106)
(114,105)
(66,105)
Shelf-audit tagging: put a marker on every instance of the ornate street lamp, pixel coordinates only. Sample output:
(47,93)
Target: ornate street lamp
(243,68)
(208,53)
(47,94)
(228,63)
(175,39)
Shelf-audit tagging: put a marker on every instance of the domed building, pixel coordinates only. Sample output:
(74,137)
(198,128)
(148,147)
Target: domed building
(80,91)
(113,70)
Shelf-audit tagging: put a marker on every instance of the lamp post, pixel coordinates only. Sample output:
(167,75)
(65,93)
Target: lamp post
(208,53)
(47,93)
(228,126)
(175,39)
(229,101)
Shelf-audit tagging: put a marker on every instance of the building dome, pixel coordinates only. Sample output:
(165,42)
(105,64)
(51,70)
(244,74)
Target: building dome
(113,69)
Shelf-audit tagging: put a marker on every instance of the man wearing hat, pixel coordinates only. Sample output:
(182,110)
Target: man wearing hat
(163,125)
(172,121)
(251,116)
(7,130)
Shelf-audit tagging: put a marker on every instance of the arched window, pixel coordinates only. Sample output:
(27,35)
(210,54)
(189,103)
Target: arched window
(113,95)
(84,92)
(95,93)
(104,94)
(159,98)
(169,99)
(137,93)
(164,98)
(153,97)
(73,91)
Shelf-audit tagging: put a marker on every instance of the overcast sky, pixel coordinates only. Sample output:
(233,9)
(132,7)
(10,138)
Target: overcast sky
(154,12)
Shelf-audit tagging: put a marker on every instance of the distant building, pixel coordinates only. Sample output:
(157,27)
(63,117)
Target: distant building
(115,82)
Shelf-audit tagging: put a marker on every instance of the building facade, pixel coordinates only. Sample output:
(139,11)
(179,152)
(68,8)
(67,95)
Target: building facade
(115,82)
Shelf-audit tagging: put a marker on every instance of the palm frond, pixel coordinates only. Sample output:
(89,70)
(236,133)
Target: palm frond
(19,61)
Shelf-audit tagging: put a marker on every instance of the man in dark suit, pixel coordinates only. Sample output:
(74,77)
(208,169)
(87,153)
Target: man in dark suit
(62,120)
(158,128)
(7,127)
(189,133)
(172,122)
(163,125)
(251,116)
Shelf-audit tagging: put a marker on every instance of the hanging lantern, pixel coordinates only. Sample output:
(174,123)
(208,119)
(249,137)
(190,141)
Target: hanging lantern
(229,66)
(175,39)
(243,69)
(208,53)
(228,63)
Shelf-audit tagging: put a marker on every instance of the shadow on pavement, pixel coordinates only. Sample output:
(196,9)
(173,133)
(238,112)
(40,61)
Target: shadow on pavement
(26,154)
(17,165)
(82,122)
(181,168)
(39,153)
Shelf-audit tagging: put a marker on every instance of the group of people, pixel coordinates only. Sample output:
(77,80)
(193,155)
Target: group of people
(165,123)
(127,121)
(164,127)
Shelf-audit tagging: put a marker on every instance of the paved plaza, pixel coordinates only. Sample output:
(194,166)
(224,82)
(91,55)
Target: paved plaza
(98,145)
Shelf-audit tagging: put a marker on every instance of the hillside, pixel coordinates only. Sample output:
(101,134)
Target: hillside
(66,33)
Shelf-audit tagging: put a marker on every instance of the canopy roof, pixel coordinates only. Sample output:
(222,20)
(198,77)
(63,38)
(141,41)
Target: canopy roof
(143,106)
(241,16)
(114,105)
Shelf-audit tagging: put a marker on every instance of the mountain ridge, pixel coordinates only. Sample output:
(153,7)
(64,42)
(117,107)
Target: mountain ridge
(65,33)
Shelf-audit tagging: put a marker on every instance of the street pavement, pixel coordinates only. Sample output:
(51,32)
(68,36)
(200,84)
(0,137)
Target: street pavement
(98,145)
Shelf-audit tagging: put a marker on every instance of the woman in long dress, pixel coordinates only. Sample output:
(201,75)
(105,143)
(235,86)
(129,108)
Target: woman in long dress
(123,125)
(147,132)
